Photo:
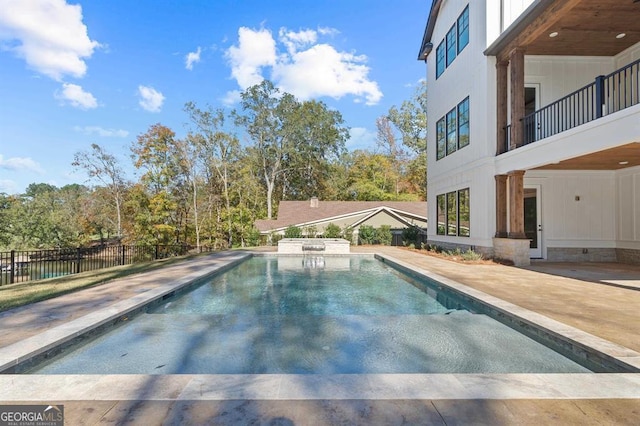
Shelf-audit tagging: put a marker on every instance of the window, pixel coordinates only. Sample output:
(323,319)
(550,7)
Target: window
(440,59)
(442,214)
(463,123)
(452,130)
(453,213)
(463,29)
(440,139)
(456,40)
(463,213)
(452,49)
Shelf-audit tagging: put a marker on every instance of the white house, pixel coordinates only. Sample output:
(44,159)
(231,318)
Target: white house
(534,136)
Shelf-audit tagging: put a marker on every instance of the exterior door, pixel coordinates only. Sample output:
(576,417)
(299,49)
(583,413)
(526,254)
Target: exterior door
(533,220)
(531,105)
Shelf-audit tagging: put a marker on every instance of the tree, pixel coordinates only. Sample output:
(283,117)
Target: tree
(104,167)
(411,121)
(288,137)
(387,141)
(216,149)
(158,152)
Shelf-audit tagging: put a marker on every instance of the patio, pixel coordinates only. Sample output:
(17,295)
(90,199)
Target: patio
(572,294)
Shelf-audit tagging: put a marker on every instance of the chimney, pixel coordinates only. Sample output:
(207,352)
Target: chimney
(314,202)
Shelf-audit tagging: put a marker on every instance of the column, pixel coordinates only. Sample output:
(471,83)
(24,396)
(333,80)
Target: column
(516,204)
(501,206)
(502,68)
(516,60)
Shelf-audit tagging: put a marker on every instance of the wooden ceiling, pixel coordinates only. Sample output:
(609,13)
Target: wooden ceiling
(609,159)
(583,27)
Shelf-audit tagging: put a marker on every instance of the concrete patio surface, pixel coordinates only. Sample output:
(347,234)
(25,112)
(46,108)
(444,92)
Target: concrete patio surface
(573,296)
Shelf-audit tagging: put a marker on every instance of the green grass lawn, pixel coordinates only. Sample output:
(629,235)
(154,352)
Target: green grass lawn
(14,295)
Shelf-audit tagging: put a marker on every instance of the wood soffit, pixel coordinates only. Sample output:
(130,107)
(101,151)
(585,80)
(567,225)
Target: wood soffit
(583,27)
(609,159)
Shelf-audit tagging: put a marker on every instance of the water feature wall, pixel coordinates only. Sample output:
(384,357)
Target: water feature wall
(328,246)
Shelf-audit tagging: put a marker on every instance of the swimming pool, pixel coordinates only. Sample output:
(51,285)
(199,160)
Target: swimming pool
(310,315)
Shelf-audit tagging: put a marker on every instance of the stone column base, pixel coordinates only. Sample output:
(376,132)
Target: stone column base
(515,250)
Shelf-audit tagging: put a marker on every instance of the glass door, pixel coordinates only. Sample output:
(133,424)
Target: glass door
(532,220)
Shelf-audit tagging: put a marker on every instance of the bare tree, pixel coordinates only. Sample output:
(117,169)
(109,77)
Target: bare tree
(104,167)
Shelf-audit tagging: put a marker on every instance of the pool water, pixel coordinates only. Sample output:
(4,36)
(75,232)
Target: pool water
(295,315)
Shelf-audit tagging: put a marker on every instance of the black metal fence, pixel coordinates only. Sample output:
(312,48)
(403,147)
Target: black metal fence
(606,95)
(29,265)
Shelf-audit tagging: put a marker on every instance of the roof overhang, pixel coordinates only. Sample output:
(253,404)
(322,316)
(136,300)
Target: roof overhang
(426,46)
(571,28)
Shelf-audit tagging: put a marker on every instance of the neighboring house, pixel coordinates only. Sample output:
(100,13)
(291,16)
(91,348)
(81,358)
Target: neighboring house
(316,214)
(534,136)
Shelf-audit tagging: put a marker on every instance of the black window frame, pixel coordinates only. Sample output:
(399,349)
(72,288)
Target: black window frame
(441,212)
(450,140)
(441,139)
(440,59)
(463,29)
(451,207)
(453,43)
(463,109)
(452,131)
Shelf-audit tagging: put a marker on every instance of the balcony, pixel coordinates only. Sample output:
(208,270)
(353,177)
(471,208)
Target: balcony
(605,96)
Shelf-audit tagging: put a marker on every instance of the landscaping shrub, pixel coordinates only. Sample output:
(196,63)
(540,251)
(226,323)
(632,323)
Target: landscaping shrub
(347,234)
(310,231)
(332,231)
(471,255)
(253,239)
(367,234)
(410,235)
(384,235)
(293,232)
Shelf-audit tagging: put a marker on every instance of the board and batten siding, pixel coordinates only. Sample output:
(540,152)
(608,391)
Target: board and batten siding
(628,201)
(558,76)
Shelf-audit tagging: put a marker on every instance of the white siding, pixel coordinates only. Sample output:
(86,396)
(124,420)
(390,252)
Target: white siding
(629,208)
(578,207)
(472,75)
(559,76)
(512,9)
(630,55)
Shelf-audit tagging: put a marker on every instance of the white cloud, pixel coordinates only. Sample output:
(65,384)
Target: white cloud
(48,34)
(304,68)
(323,71)
(76,96)
(104,133)
(231,98)
(192,58)
(296,40)
(20,164)
(256,49)
(150,99)
(8,186)
(361,138)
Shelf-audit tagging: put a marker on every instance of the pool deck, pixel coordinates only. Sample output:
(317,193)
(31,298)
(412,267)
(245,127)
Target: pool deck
(598,304)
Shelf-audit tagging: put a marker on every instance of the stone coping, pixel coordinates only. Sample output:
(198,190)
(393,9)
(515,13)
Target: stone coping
(317,387)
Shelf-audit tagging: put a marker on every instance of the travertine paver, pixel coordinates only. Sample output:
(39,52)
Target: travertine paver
(608,312)
(612,313)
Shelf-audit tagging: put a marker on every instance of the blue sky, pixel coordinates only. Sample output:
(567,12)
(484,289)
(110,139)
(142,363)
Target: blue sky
(73,73)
